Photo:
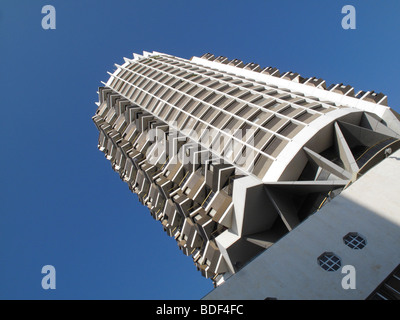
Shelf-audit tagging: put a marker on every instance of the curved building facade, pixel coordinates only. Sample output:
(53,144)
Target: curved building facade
(230,157)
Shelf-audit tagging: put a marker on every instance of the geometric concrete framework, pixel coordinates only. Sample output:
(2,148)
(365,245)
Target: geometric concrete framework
(310,261)
(232,158)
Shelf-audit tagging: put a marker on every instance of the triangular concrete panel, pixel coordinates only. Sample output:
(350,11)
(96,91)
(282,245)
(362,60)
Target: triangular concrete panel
(327,164)
(356,135)
(344,151)
(370,122)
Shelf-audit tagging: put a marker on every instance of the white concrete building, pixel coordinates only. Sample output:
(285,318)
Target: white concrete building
(272,182)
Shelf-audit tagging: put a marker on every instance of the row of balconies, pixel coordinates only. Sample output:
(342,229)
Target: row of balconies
(347,90)
(177,195)
(210,96)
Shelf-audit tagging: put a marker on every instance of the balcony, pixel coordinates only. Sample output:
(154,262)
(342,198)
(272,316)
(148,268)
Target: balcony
(174,171)
(142,185)
(208,56)
(252,66)
(164,184)
(217,175)
(378,98)
(346,90)
(315,82)
(183,202)
(171,216)
(194,186)
(204,222)
(212,262)
(190,237)
(119,164)
(142,143)
(237,63)
(131,133)
(293,76)
(129,172)
(271,71)
(221,208)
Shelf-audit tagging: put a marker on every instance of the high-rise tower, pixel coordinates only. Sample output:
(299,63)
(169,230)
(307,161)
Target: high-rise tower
(231,157)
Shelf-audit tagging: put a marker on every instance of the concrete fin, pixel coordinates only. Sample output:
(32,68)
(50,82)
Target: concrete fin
(260,242)
(226,219)
(344,151)
(267,238)
(370,122)
(284,207)
(356,135)
(327,164)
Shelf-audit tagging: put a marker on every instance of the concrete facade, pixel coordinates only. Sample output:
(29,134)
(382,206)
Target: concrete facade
(232,158)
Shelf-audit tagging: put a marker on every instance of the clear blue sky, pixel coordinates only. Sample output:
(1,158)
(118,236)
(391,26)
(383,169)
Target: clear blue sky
(60,201)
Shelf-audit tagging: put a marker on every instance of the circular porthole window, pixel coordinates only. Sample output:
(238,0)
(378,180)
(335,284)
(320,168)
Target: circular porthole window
(354,241)
(329,261)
